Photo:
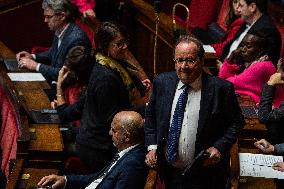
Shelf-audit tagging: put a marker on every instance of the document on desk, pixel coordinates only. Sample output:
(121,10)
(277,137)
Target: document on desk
(26,76)
(259,165)
(208,49)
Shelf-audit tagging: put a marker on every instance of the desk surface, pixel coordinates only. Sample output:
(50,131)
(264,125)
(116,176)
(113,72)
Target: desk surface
(47,145)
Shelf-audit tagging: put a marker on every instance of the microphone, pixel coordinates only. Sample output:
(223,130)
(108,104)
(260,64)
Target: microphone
(157,6)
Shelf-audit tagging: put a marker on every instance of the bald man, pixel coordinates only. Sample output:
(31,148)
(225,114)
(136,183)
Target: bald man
(127,170)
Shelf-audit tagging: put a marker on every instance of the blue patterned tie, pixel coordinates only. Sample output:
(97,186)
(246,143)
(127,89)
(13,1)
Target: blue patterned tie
(174,132)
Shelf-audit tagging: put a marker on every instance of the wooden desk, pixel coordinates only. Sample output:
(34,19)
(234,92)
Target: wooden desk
(44,146)
(23,178)
(253,129)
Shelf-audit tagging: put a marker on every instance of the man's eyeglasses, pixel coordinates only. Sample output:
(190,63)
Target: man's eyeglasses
(50,16)
(185,60)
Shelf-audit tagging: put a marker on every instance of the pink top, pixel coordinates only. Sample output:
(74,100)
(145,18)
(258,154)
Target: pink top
(231,32)
(251,80)
(84,5)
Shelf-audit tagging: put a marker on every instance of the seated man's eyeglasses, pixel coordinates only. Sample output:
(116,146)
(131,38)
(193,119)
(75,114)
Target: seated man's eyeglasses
(190,61)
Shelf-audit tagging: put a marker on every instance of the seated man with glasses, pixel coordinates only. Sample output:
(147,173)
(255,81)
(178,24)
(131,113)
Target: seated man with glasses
(59,17)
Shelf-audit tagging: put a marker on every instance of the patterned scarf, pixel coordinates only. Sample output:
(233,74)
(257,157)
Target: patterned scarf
(134,94)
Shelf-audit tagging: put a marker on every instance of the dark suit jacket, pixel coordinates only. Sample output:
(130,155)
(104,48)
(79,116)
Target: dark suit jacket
(128,173)
(267,26)
(220,118)
(54,58)
(273,118)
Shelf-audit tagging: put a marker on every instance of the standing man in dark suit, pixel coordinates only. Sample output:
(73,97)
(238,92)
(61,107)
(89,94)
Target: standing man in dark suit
(190,111)
(126,171)
(60,19)
(254,13)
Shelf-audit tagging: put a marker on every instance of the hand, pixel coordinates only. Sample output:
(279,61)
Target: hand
(23,54)
(28,63)
(56,181)
(264,146)
(232,58)
(214,156)
(219,64)
(151,158)
(64,71)
(53,104)
(275,79)
(279,166)
(147,84)
(280,65)
(89,13)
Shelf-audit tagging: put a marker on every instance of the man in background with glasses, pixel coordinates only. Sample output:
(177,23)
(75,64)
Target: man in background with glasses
(59,16)
(191,122)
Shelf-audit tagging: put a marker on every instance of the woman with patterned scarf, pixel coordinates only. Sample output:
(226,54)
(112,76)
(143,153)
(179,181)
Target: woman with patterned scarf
(114,82)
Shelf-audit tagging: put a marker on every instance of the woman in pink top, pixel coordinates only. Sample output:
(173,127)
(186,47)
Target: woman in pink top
(248,68)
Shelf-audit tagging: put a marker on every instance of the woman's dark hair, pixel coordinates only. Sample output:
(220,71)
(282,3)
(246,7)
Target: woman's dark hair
(79,60)
(105,33)
(231,17)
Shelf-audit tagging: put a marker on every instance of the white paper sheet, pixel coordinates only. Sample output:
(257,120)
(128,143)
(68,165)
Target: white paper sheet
(259,165)
(209,49)
(26,76)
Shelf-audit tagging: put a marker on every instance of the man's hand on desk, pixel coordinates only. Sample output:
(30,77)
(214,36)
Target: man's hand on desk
(214,156)
(151,158)
(264,146)
(23,54)
(279,166)
(54,180)
(28,63)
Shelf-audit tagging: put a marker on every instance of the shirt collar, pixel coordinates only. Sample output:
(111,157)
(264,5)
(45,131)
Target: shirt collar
(195,85)
(60,35)
(121,153)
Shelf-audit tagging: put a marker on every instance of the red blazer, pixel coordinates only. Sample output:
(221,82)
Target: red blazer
(232,30)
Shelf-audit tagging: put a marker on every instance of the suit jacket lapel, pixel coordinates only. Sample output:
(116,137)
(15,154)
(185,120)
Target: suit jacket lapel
(119,160)
(170,86)
(227,47)
(207,92)
(63,41)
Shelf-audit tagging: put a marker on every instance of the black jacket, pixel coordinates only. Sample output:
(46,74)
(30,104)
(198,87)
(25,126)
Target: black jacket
(266,25)
(273,118)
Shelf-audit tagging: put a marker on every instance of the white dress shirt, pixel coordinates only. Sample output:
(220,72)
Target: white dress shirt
(187,138)
(237,42)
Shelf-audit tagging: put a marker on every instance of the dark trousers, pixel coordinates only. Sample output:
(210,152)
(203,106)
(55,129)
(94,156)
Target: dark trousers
(202,178)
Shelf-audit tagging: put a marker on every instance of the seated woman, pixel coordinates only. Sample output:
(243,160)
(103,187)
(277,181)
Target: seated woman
(234,22)
(248,67)
(110,89)
(216,36)
(273,117)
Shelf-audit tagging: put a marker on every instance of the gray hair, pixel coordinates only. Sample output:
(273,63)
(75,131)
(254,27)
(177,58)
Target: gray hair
(59,6)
